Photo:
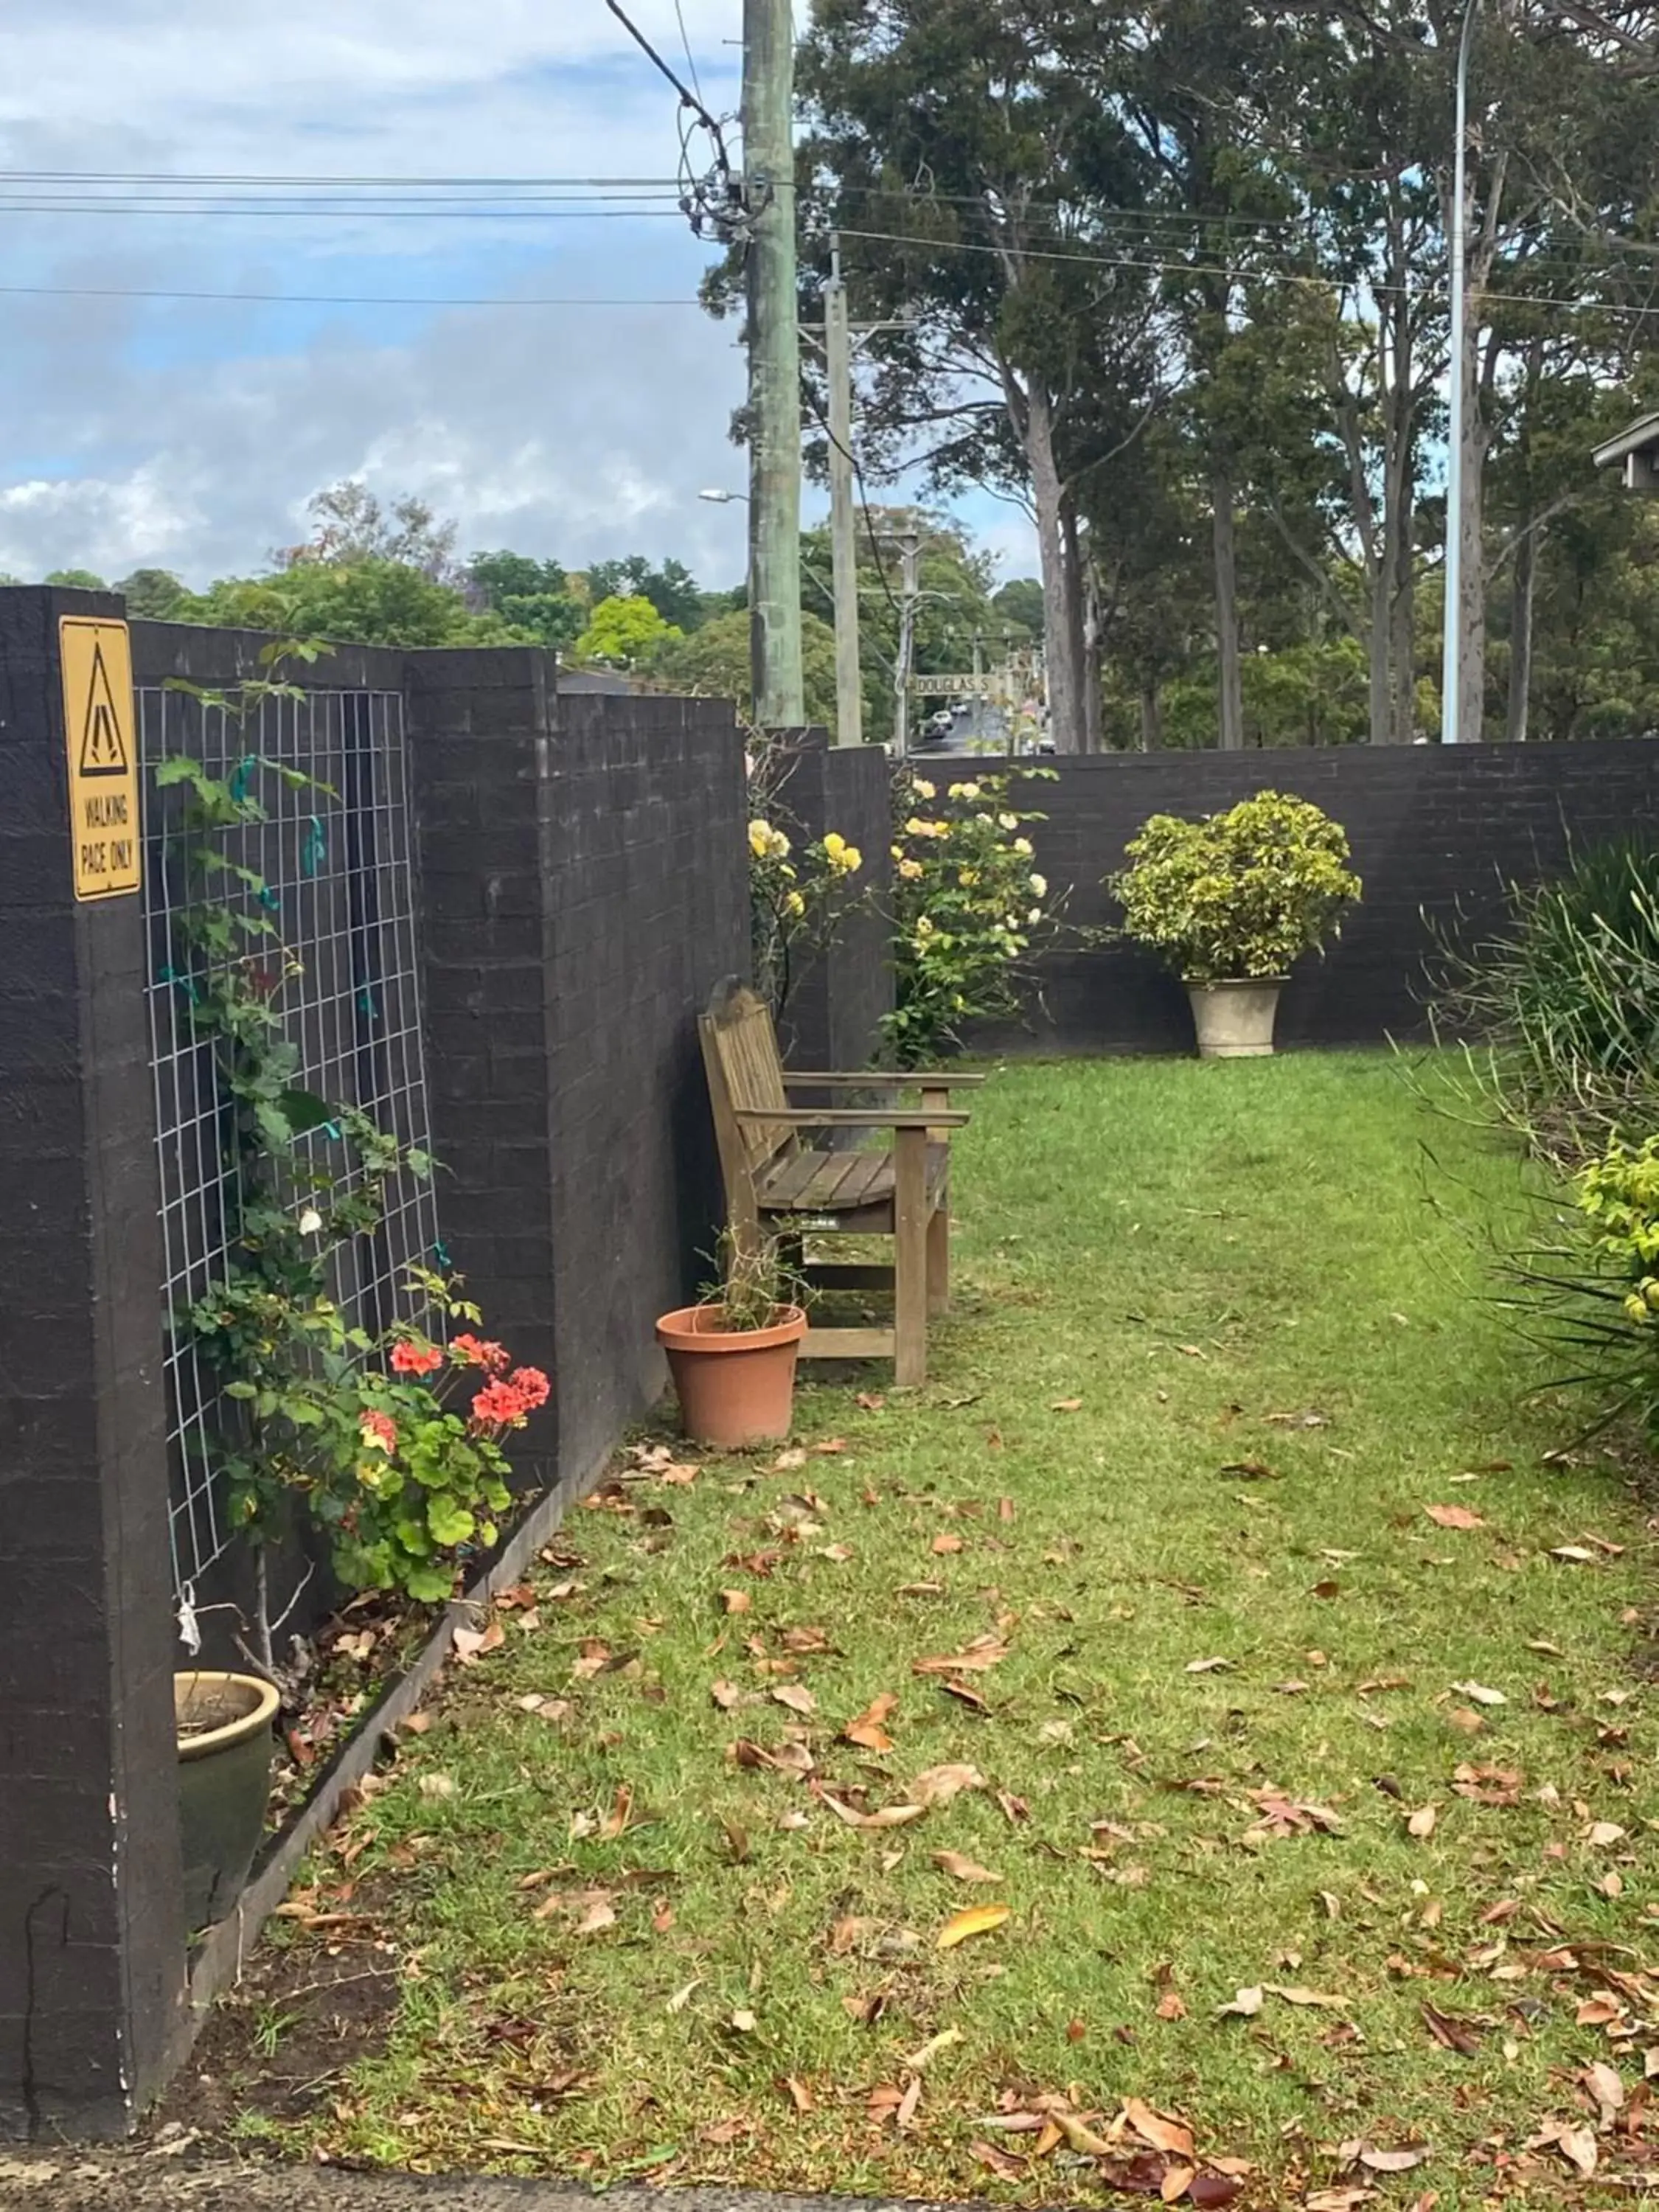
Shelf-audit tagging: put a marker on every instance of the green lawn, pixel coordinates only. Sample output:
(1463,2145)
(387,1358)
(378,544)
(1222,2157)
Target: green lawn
(1221,1340)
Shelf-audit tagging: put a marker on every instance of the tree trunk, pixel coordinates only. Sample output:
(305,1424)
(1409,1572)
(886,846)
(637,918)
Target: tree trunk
(1402,624)
(1064,720)
(1226,610)
(1378,646)
(1152,715)
(1521,595)
(1083,602)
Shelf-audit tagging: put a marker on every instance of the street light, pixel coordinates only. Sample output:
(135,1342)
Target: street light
(1451,655)
(725,498)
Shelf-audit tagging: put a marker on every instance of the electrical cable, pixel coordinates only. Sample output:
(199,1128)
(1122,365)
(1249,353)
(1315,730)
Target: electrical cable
(325,298)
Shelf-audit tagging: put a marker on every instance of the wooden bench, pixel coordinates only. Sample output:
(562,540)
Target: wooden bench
(783,1179)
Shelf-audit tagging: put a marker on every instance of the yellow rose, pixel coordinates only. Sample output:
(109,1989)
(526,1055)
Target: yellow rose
(1023,847)
(1040,885)
(923,790)
(967,878)
(848,861)
(834,846)
(794,904)
(760,839)
(1008,822)
(910,869)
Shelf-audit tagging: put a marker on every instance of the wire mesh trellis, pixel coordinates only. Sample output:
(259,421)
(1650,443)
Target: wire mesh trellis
(336,857)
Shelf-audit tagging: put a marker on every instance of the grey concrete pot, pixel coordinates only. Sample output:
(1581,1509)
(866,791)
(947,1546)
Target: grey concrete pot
(1234,1021)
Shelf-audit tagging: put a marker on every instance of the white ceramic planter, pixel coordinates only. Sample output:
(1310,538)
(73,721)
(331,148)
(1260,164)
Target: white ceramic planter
(1234,1021)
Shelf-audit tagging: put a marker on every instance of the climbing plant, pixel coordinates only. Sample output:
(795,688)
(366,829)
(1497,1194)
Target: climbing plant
(353,1429)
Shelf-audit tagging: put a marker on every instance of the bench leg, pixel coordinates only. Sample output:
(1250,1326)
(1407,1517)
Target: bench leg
(910,1260)
(938,1260)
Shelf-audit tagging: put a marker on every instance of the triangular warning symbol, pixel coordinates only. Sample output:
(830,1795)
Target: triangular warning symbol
(103,747)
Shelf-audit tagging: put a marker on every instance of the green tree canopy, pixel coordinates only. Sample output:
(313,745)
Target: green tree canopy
(624,632)
(713,663)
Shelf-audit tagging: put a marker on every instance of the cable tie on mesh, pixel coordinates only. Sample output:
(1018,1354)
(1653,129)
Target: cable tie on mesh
(442,1255)
(268,898)
(366,1004)
(315,849)
(243,777)
(331,1129)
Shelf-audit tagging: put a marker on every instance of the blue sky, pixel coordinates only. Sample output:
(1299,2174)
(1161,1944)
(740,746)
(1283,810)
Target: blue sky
(189,434)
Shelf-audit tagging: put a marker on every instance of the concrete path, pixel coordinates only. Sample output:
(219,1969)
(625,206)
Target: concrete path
(170,2176)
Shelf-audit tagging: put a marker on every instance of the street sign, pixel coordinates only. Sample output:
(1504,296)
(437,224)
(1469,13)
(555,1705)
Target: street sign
(99,732)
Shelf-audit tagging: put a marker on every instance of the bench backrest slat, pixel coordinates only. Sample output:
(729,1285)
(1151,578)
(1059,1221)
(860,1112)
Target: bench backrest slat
(740,1054)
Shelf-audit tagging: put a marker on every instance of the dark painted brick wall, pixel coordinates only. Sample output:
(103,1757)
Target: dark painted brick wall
(583,887)
(834,1015)
(1436,836)
(648,909)
(91,1904)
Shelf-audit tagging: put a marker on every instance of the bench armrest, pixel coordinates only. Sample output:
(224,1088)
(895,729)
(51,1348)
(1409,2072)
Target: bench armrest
(851,1117)
(878,1079)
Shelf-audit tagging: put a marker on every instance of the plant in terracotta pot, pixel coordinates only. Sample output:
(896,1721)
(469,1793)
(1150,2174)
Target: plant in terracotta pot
(1232,902)
(733,1354)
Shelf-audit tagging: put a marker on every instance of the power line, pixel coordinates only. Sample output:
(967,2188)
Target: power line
(1492,293)
(325,298)
(632,214)
(685,41)
(249,177)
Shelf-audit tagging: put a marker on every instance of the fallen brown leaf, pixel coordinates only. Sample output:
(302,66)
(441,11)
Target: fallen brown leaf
(963,1869)
(978,1920)
(982,1653)
(1157,2129)
(938,1785)
(1454,1516)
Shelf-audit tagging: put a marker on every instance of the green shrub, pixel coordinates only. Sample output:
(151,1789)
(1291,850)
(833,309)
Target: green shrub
(1562,1006)
(1237,895)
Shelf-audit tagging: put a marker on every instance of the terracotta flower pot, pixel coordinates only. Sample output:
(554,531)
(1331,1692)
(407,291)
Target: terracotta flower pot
(1234,1021)
(737,1386)
(224,1784)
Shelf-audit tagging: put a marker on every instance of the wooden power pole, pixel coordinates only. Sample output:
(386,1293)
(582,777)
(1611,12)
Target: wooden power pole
(768,84)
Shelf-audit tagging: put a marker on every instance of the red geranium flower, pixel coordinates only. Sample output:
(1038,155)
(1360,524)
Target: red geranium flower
(475,1351)
(380,1432)
(532,1386)
(497,1404)
(409,1357)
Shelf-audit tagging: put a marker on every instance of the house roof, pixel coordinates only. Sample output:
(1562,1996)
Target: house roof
(1639,438)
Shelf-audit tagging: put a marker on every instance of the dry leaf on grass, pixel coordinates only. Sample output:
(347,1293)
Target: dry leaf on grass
(1209,1667)
(1002,2163)
(736,1601)
(795,1697)
(1421,1823)
(1454,2034)
(982,1653)
(889,1816)
(1158,2129)
(1305,1997)
(1573,1555)
(1376,2160)
(621,1814)
(938,1785)
(1478,1694)
(945,1542)
(947,2039)
(1067,1405)
(1454,1516)
(471,1644)
(978,1920)
(1245,2006)
(867,1730)
(963,1869)
(599,1914)
(437,1785)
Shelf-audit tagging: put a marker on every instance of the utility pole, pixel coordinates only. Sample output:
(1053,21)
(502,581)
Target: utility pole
(769,85)
(843,519)
(1451,655)
(909,547)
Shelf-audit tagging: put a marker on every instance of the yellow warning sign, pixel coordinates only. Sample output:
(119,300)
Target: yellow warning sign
(103,757)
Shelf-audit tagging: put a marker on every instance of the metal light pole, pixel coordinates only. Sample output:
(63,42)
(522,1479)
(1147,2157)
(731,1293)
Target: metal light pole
(1451,656)
(774,365)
